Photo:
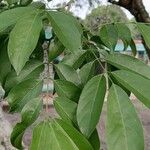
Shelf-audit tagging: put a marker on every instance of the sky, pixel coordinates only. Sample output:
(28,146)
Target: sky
(82,12)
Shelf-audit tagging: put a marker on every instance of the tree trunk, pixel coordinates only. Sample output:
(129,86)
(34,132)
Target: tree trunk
(137,9)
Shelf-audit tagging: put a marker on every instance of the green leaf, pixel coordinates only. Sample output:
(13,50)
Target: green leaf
(21,44)
(67,89)
(124,34)
(90,104)
(75,59)
(25,2)
(23,93)
(11,16)
(17,135)
(145,31)
(123,127)
(137,84)
(65,72)
(31,70)
(31,111)
(115,81)
(38,5)
(94,140)
(109,36)
(133,47)
(66,30)
(129,63)
(29,114)
(10,2)
(58,135)
(66,109)
(5,66)
(87,72)
(55,50)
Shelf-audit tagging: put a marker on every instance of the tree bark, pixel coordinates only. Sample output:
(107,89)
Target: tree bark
(137,9)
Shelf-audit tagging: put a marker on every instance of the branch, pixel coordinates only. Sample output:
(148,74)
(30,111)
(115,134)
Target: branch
(135,7)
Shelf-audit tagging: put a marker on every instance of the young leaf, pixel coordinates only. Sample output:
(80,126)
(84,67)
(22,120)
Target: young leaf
(23,39)
(90,104)
(109,36)
(123,127)
(23,93)
(66,30)
(65,72)
(66,109)
(137,84)
(29,114)
(67,89)
(94,140)
(11,16)
(87,72)
(145,31)
(31,70)
(129,63)
(58,135)
(75,59)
